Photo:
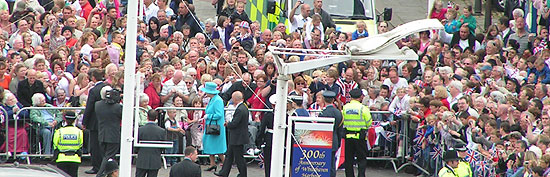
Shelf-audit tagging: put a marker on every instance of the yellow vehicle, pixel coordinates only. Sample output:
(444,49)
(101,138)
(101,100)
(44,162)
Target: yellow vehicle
(345,13)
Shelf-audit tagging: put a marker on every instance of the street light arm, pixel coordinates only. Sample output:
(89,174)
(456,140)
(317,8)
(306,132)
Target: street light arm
(291,68)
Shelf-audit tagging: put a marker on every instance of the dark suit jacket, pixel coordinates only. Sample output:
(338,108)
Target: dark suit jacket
(26,90)
(90,118)
(238,86)
(109,117)
(238,127)
(185,168)
(149,158)
(189,20)
(338,130)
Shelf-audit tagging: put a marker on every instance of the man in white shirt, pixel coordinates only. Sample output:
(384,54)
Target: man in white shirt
(297,21)
(174,87)
(394,81)
(24,26)
(463,38)
(150,9)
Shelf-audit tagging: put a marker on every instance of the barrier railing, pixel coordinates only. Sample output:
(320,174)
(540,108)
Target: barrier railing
(5,121)
(392,157)
(17,117)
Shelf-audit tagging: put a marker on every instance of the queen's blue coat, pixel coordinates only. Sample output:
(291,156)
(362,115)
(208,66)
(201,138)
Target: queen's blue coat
(215,144)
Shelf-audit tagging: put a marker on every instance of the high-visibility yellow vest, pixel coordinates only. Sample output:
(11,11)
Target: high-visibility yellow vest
(446,172)
(463,169)
(68,140)
(356,117)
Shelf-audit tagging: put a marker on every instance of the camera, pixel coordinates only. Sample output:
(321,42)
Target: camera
(113,96)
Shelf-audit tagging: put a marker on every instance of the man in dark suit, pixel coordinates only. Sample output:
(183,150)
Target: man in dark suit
(28,87)
(90,119)
(109,117)
(241,87)
(148,159)
(331,111)
(187,167)
(238,137)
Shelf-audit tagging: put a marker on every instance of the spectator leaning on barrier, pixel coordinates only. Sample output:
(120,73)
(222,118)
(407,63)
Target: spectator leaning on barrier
(47,119)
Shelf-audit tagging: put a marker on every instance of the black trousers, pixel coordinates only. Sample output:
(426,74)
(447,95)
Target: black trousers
(70,168)
(149,172)
(95,150)
(110,150)
(234,153)
(267,159)
(333,164)
(356,148)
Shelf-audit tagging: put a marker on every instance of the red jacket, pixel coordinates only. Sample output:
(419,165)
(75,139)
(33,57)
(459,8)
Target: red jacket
(85,12)
(154,98)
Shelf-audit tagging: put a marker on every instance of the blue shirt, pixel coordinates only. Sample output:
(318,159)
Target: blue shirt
(47,116)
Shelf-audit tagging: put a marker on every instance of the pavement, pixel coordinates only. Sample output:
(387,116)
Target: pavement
(409,10)
(254,171)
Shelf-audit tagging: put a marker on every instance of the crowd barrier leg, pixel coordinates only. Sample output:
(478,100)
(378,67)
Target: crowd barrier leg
(405,151)
(164,162)
(6,140)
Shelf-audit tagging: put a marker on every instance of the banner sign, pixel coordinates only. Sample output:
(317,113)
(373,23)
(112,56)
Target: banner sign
(311,154)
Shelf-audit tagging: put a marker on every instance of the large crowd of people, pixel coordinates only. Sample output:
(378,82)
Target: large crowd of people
(485,90)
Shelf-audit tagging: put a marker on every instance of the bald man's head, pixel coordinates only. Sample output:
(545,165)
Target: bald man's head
(237,97)
(306,10)
(31,76)
(178,76)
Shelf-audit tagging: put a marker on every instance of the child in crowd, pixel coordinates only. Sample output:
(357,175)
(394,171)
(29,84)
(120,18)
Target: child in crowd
(240,14)
(314,23)
(195,122)
(361,31)
(467,19)
(174,130)
(450,22)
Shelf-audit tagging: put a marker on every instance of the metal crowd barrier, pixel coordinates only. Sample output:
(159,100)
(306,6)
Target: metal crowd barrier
(6,141)
(17,117)
(393,157)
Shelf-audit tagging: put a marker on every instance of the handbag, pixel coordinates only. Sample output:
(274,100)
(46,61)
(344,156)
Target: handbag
(212,129)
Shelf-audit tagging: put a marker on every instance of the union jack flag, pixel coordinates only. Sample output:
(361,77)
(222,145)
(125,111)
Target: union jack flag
(484,169)
(389,135)
(417,153)
(375,124)
(419,138)
(260,160)
(436,152)
(472,156)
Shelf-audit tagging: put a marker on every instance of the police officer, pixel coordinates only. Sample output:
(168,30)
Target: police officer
(67,142)
(111,169)
(357,120)
(331,111)
(298,107)
(451,162)
(464,169)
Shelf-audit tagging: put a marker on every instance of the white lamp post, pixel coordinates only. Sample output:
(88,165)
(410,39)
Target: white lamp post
(381,46)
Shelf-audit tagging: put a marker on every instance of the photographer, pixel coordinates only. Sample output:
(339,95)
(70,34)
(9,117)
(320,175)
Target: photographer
(514,165)
(109,115)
